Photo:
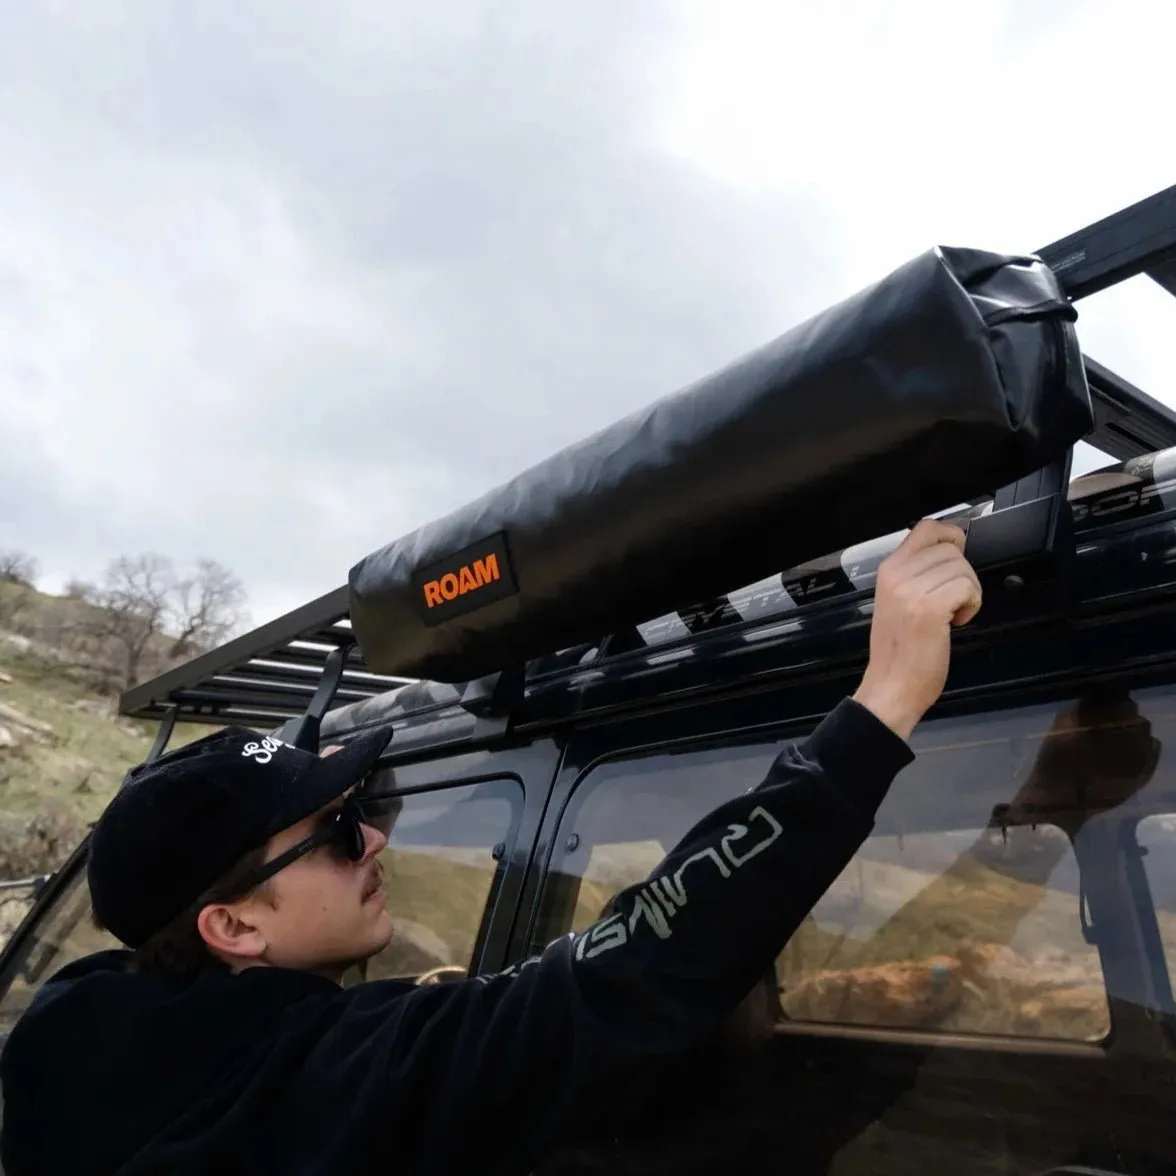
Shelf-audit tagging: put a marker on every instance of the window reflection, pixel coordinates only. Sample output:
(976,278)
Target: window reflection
(961,912)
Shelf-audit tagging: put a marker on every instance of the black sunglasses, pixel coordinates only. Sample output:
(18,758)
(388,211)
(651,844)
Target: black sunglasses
(341,829)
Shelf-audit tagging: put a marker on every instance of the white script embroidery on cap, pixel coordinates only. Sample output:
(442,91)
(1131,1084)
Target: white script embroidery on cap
(263,752)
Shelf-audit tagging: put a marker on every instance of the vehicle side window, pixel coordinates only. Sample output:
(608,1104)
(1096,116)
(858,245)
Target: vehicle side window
(1156,839)
(439,865)
(64,933)
(961,912)
(624,815)
(443,853)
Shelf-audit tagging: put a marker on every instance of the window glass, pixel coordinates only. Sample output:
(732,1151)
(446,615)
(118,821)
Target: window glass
(625,815)
(440,864)
(960,913)
(65,933)
(965,930)
(1156,837)
(439,868)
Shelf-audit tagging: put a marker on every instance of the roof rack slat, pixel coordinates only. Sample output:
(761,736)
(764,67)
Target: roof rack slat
(1128,422)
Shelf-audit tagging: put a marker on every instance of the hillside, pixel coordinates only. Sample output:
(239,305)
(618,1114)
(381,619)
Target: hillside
(63,748)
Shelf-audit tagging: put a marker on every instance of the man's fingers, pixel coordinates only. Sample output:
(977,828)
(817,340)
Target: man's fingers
(923,559)
(928,532)
(943,571)
(959,598)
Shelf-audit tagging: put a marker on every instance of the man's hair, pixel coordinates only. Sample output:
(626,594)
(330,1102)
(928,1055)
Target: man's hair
(178,951)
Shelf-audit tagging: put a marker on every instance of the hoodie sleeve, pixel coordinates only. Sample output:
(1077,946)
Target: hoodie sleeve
(513,1052)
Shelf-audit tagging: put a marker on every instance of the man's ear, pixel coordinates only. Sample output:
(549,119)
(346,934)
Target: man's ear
(228,930)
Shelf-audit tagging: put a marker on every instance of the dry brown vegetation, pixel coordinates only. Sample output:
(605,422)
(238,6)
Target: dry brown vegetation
(63,747)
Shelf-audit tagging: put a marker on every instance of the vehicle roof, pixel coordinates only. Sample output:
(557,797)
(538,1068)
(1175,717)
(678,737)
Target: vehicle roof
(308,658)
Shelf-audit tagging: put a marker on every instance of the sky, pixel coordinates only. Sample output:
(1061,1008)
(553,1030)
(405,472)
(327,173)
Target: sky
(281,280)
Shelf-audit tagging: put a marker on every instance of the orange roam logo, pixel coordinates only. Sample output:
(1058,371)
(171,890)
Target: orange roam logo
(465,581)
(467,578)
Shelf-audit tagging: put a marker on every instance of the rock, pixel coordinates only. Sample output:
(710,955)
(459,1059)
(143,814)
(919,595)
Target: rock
(5,679)
(1076,1014)
(19,643)
(986,963)
(129,728)
(40,842)
(99,707)
(7,739)
(12,911)
(35,729)
(906,995)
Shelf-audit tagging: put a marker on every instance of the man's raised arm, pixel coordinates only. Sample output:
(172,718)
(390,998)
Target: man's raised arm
(514,1051)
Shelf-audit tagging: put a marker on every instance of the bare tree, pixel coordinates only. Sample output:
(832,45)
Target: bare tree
(130,607)
(205,608)
(18,568)
(145,615)
(78,589)
(18,572)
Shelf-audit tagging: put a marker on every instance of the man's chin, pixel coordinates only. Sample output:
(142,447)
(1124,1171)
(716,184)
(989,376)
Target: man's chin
(383,933)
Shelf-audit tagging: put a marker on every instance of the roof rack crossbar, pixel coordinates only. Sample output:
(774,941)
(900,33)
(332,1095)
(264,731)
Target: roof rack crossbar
(304,678)
(1128,422)
(1164,275)
(294,655)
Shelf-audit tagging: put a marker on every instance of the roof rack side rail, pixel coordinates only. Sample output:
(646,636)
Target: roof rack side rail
(495,700)
(1128,422)
(1140,239)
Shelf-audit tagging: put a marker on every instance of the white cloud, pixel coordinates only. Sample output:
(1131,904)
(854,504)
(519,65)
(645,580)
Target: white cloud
(158,315)
(911,123)
(916,121)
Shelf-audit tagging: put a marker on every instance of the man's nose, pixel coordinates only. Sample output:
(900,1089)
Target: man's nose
(373,842)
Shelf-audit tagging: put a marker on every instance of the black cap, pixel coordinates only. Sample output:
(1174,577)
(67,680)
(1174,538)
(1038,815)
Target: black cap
(184,820)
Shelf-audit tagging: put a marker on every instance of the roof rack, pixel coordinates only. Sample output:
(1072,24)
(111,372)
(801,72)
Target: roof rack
(286,671)
(1140,239)
(291,670)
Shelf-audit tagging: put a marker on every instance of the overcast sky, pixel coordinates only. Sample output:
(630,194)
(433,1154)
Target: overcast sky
(283,279)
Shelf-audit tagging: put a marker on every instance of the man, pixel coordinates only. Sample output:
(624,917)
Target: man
(246,884)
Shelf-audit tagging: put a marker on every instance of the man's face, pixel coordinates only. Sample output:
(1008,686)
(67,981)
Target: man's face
(322,913)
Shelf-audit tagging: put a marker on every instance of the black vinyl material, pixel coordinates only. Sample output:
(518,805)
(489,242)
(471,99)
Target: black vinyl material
(956,374)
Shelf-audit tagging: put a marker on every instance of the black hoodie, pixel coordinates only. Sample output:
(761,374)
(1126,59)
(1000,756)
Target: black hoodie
(277,1071)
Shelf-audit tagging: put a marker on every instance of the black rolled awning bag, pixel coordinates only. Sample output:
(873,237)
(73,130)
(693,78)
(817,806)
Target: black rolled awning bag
(955,375)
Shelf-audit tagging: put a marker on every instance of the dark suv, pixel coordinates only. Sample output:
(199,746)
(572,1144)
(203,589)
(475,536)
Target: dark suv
(988,986)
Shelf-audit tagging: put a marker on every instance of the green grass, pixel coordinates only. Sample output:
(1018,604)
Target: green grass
(89,753)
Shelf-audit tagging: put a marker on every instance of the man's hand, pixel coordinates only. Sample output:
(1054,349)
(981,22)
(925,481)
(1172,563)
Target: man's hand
(924,588)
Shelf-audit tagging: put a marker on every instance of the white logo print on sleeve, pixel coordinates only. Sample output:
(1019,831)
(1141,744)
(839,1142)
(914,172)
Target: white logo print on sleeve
(658,901)
(263,752)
